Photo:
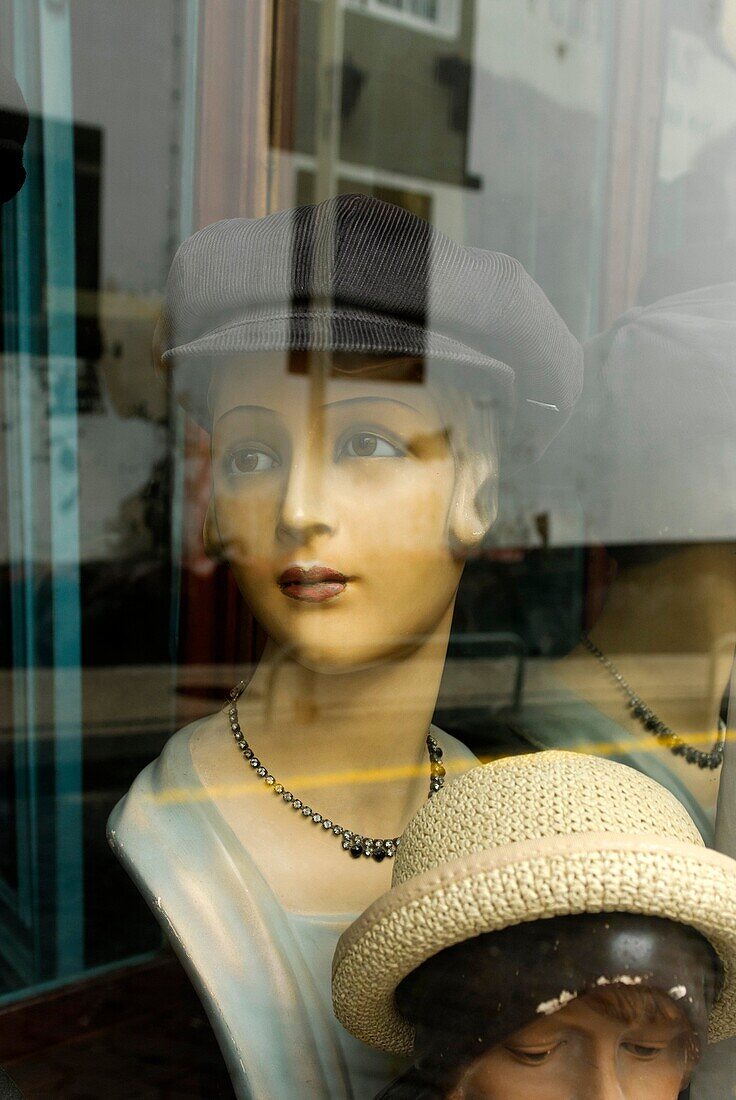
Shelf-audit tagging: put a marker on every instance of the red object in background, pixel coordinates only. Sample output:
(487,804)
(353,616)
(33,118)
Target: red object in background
(512,554)
(600,570)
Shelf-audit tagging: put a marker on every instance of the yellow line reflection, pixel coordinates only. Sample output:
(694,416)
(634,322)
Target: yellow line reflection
(301,783)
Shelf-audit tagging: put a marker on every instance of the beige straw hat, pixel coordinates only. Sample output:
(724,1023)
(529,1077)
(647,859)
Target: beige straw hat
(544,835)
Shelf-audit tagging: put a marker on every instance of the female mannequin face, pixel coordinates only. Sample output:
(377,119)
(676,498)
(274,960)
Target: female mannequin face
(581,1053)
(354,476)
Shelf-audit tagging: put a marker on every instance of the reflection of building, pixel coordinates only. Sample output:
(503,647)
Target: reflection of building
(404,98)
(404,94)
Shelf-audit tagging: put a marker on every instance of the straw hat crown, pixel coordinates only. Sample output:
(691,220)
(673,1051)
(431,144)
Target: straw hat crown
(527,798)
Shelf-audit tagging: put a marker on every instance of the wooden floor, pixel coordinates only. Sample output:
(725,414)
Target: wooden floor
(135,1034)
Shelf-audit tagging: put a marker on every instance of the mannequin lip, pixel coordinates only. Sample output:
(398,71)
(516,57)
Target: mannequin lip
(313,583)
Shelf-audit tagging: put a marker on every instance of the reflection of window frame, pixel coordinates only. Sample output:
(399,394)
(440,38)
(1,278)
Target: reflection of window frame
(444,25)
(229,131)
(635,100)
(445,199)
(416,199)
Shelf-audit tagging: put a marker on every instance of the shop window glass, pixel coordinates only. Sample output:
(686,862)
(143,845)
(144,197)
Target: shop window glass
(548,266)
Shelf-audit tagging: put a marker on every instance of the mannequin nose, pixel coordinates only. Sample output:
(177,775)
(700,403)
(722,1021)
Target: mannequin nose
(306,508)
(603,1082)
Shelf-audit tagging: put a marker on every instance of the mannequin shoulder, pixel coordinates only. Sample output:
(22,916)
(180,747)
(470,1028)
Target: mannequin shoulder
(160,795)
(170,836)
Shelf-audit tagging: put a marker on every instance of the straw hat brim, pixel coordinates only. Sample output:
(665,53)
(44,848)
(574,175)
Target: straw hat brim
(527,881)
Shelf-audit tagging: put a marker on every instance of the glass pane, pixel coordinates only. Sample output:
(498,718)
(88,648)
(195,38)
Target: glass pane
(366,511)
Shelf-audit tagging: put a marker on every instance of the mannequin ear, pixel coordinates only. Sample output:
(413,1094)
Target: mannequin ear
(475,504)
(211,539)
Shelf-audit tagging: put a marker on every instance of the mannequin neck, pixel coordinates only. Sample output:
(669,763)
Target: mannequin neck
(683,603)
(353,743)
(332,721)
(668,627)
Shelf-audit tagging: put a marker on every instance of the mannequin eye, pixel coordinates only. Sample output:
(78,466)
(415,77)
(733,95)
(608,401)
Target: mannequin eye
(250,460)
(644,1051)
(369,445)
(530,1057)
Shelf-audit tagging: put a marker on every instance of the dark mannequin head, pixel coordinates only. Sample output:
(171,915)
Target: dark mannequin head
(617,1042)
(592,1005)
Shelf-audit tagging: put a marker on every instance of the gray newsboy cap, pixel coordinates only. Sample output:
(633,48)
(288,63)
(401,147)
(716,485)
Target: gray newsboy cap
(359,275)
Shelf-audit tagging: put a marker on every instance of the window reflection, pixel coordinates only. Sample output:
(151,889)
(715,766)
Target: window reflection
(590,141)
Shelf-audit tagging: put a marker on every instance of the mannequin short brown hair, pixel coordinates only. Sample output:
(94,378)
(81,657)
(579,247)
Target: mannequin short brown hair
(632,1005)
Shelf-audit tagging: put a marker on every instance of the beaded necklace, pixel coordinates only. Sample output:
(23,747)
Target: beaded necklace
(354,843)
(654,724)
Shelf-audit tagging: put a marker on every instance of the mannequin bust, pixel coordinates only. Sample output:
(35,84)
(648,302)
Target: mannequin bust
(650,452)
(388,510)
(342,699)
(354,468)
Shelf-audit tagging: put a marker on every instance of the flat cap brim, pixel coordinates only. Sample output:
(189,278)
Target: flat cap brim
(529,425)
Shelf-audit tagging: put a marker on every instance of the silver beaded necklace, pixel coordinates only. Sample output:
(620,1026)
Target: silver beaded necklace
(354,843)
(654,724)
